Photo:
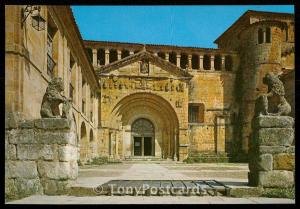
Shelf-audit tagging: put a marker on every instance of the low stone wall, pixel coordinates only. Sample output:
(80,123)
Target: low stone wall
(272,156)
(40,156)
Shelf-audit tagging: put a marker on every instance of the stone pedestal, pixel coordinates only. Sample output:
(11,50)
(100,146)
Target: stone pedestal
(40,157)
(271,152)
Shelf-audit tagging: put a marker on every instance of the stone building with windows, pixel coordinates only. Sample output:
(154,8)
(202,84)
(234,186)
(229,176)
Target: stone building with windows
(158,101)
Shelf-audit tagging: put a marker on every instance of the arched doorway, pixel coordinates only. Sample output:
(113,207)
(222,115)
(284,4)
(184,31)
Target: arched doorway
(142,132)
(154,110)
(83,142)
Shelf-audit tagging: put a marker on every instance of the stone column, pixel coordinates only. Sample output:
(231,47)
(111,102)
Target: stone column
(271,153)
(131,52)
(119,54)
(220,126)
(167,57)
(106,56)
(201,62)
(264,35)
(95,58)
(223,63)
(190,61)
(175,146)
(142,146)
(116,145)
(212,62)
(178,56)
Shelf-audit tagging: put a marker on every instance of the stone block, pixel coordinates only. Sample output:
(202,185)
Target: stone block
(67,153)
(58,170)
(52,123)
(10,189)
(22,136)
(10,152)
(274,136)
(27,124)
(273,122)
(21,169)
(271,149)
(54,187)
(27,187)
(35,152)
(265,162)
(12,120)
(49,137)
(284,161)
(279,179)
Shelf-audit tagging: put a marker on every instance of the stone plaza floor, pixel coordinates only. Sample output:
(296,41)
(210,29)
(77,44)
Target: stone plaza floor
(232,174)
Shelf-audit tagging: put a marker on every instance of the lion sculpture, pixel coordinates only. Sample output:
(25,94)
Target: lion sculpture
(53,98)
(275,89)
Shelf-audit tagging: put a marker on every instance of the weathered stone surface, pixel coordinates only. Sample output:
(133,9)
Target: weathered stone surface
(282,179)
(265,162)
(276,149)
(35,151)
(49,137)
(21,169)
(58,170)
(284,162)
(67,153)
(274,136)
(10,189)
(13,119)
(27,124)
(291,149)
(27,187)
(273,122)
(52,123)
(54,187)
(22,136)
(10,152)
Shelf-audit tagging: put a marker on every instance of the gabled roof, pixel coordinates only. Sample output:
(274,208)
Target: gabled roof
(173,69)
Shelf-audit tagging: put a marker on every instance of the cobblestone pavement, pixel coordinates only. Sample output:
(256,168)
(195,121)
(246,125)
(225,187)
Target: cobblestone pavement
(92,176)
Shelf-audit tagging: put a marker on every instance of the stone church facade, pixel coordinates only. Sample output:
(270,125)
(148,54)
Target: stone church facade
(158,101)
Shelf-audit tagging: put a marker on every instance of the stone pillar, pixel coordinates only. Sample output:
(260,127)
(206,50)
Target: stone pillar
(95,58)
(142,147)
(220,126)
(175,146)
(201,62)
(119,54)
(131,52)
(190,61)
(212,62)
(178,56)
(106,56)
(223,63)
(271,153)
(264,35)
(116,146)
(167,57)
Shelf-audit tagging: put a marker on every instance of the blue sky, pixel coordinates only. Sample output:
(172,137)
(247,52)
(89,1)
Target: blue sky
(195,25)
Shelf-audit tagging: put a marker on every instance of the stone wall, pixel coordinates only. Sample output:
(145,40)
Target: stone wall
(272,156)
(40,156)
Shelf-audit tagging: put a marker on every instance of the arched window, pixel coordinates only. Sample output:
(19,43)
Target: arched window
(260,36)
(228,63)
(125,53)
(218,62)
(268,35)
(183,61)
(101,57)
(161,55)
(172,58)
(195,61)
(113,55)
(206,62)
(91,135)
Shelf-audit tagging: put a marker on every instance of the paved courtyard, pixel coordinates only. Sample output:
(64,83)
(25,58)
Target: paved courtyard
(92,176)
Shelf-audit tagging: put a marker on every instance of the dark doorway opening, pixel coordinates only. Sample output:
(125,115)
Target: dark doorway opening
(147,146)
(137,146)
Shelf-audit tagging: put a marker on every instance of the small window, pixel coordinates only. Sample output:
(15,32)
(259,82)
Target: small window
(260,36)
(196,113)
(268,35)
